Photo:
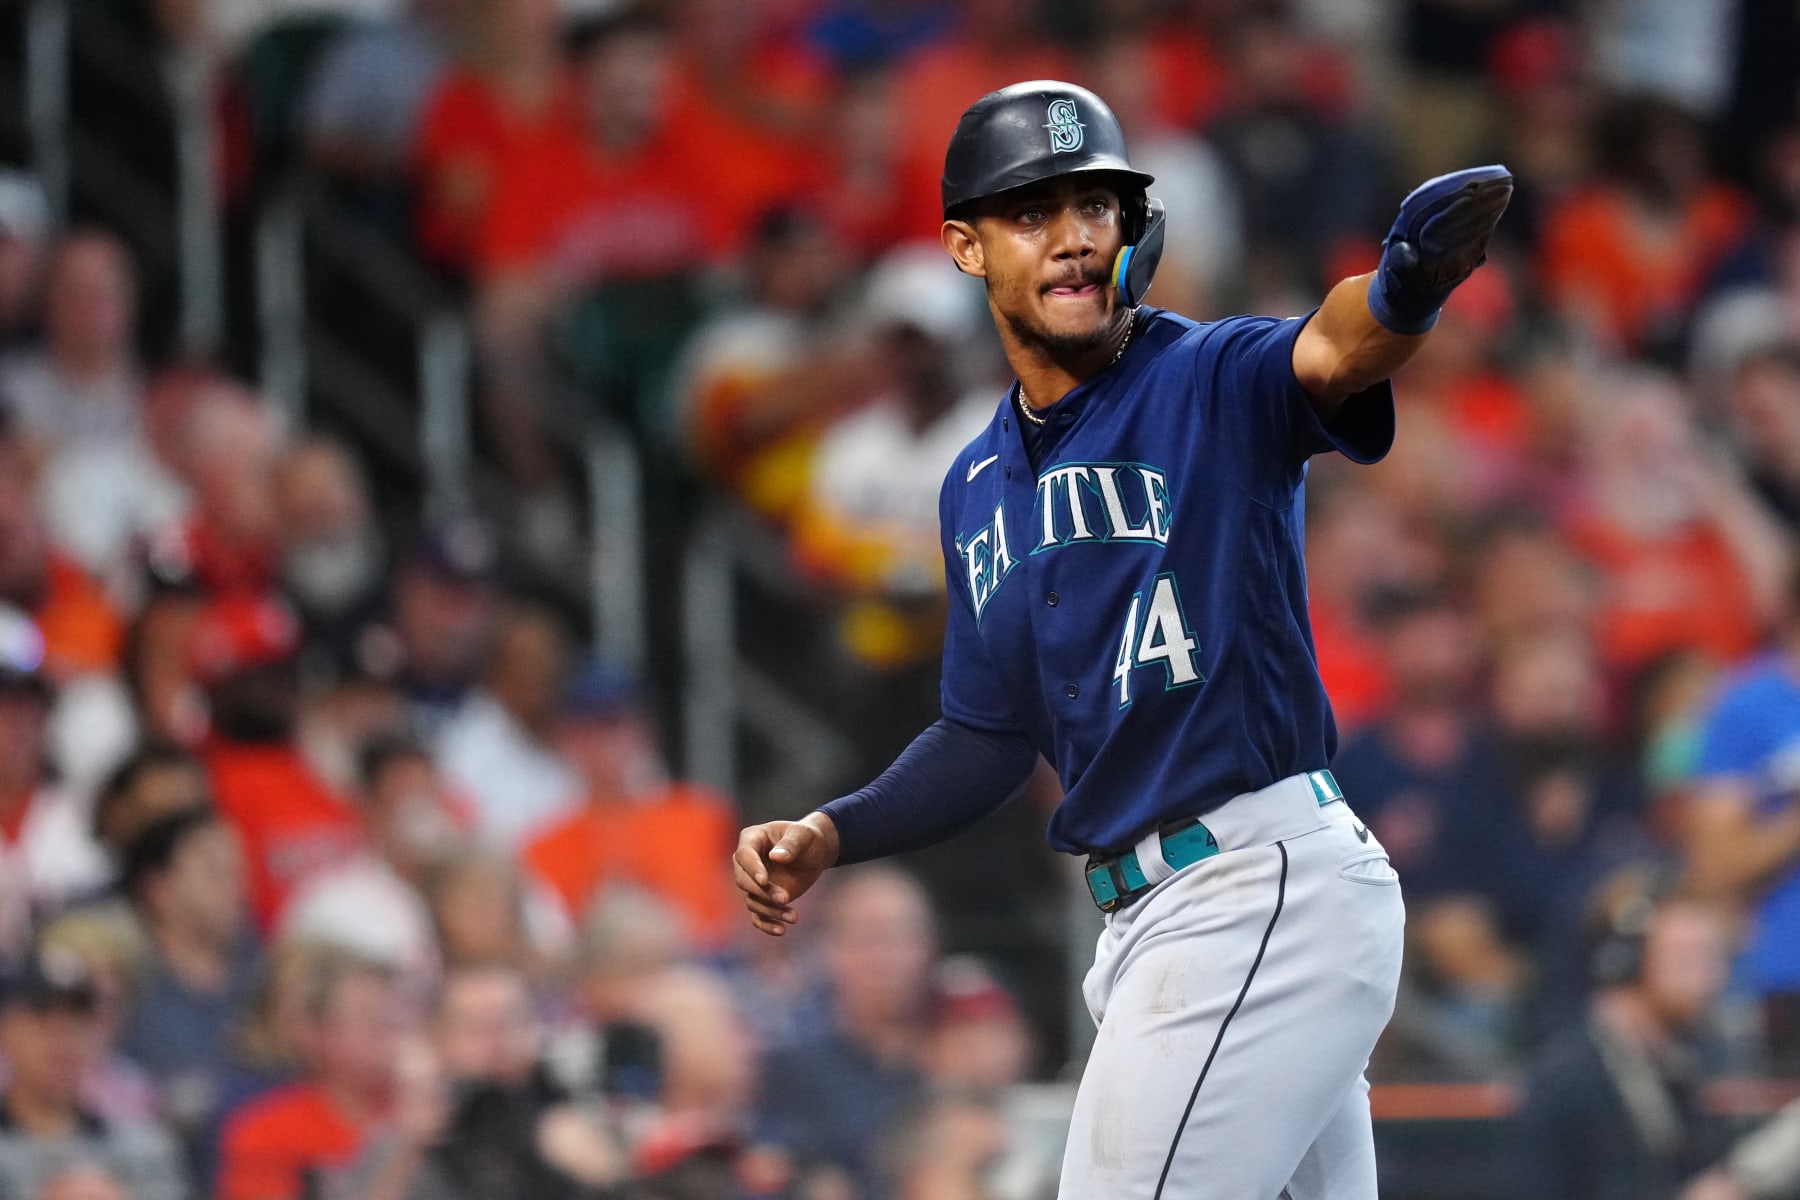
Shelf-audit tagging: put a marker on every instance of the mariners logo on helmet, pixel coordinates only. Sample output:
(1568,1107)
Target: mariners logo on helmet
(1064,126)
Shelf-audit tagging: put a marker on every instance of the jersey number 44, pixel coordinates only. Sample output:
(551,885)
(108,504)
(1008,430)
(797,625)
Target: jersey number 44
(1158,634)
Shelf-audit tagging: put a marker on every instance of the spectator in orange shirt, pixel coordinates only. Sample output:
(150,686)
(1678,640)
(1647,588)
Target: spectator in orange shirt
(286,1144)
(1687,557)
(1625,259)
(1358,547)
(92,722)
(758,100)
(82,629)
(636,828)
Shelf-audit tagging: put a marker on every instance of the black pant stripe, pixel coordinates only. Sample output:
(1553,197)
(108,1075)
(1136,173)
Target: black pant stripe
(1280,899)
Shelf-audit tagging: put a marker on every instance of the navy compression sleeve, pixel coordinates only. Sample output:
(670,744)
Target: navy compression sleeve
(949,778)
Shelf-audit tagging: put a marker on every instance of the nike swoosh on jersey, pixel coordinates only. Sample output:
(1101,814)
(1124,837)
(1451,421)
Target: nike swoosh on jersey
(981,466)
(1361,831)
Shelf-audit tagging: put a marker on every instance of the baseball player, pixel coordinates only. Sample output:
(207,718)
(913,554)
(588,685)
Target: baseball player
(1123,545)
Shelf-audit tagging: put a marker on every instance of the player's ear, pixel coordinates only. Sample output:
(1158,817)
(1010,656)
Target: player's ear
(965,248)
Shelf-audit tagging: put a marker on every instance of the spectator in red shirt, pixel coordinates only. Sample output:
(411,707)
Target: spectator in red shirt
(1625,258)
(871,185)
(508,95)
(612,196)
(1469,425)
(625,197)
(291,822)
(230,450)
(226,445)
(285,1144)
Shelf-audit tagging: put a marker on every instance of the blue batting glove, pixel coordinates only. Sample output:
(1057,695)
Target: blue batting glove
(1437,241)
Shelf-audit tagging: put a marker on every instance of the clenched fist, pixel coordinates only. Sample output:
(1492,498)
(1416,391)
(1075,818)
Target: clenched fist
(777,862)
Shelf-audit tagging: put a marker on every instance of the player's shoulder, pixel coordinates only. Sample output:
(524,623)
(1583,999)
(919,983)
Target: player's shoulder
(1173,334)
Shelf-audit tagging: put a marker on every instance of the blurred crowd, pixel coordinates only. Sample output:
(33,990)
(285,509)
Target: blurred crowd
(332,865)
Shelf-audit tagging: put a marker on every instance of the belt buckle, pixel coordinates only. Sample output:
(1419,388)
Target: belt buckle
(1106,872)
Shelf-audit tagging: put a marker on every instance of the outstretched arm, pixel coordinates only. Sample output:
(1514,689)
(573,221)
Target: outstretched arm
(1371,324)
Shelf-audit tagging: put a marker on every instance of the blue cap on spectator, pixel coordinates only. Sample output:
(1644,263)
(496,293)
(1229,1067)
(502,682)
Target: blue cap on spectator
(600,690)
(463,549)
(50,980)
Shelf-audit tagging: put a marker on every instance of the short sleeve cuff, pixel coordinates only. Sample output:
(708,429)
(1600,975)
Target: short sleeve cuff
(1362,429)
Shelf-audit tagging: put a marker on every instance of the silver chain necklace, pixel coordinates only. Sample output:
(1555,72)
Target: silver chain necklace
(1025,409)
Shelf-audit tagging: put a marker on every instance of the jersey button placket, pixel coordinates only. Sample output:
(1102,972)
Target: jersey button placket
(1072,691)
(1052,599)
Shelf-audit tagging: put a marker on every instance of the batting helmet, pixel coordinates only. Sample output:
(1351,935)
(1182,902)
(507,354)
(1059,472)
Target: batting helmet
(1044,129)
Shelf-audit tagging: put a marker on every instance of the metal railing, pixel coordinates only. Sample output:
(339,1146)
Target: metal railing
(725,694)
(47,100)
(424,423)
(200,237)
(150,210)
(303,361)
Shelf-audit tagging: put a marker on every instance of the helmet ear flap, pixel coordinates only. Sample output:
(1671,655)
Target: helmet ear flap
(1136,264)
(1134,215)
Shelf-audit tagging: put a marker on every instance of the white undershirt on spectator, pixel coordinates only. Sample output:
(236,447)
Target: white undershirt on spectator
(102,488)
(514,783)
(101,503)
(874,470)
(62,413)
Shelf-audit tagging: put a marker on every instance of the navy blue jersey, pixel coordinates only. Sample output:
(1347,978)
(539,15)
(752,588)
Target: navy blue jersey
(1137,604)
